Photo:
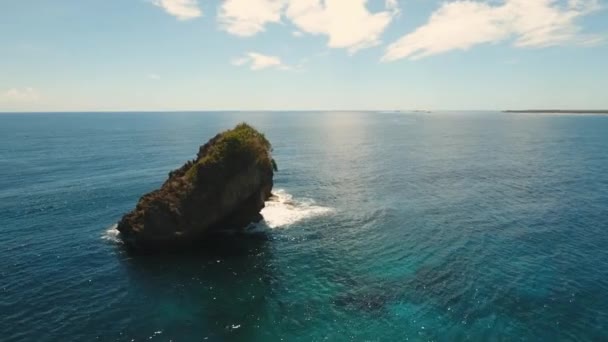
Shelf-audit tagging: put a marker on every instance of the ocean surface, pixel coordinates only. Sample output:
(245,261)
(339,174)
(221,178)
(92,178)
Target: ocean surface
(449,226)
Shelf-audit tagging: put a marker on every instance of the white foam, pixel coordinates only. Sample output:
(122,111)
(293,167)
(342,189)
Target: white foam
(112,234)
(283,210)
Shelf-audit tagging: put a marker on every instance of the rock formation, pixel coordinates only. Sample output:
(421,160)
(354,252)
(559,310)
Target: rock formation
(225,187)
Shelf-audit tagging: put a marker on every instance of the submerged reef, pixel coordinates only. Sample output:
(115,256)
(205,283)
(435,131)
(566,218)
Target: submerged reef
(222,189)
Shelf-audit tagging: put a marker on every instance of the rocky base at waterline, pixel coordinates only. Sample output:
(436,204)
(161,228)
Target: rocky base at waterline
(223,188)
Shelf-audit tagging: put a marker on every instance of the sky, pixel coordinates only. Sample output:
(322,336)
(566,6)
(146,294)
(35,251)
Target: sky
(161,55)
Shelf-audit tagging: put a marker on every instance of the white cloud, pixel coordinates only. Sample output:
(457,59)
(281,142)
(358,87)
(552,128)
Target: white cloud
(297,34)
(182,9)
(257,61)
(247,17)
(20,95)
(347,23)
(460,25)
(153,76)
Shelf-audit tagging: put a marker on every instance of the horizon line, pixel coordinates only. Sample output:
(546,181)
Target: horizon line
(306,110)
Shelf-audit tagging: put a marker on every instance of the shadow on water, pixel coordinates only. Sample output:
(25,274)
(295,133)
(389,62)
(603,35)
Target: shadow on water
(218,292)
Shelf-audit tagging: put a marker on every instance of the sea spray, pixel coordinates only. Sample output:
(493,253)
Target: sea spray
(283,210)
(112,234)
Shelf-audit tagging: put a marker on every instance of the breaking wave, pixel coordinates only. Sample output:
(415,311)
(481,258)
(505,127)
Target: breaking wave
(283,210)
(112,234)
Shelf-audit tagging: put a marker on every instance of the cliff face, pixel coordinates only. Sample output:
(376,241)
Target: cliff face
(223,188)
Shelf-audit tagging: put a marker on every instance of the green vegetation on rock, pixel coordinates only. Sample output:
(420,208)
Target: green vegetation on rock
(241,144)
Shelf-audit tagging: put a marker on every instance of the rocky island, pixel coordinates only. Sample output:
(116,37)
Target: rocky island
(223,188)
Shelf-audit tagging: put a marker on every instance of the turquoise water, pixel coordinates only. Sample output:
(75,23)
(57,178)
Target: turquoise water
(391,227)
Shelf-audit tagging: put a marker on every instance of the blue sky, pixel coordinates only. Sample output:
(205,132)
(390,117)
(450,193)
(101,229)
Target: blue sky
(302,54)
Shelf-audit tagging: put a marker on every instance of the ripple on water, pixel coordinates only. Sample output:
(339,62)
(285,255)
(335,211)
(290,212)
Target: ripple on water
(453,227)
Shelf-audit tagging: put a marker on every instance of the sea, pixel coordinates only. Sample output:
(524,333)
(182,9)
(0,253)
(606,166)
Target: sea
(388,226)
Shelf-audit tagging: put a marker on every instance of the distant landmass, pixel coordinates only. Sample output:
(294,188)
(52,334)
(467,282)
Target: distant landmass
(557,111)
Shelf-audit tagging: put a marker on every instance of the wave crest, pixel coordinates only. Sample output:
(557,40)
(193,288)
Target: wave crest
(283,210)
(112,234)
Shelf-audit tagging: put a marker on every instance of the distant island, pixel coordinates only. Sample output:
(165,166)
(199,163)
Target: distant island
(559,111)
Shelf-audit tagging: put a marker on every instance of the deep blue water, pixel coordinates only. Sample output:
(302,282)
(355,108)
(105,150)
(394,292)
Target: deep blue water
(444,226)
